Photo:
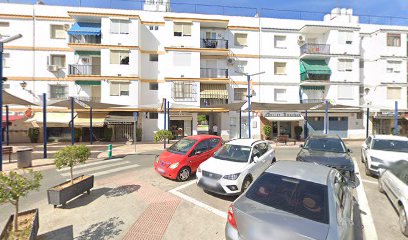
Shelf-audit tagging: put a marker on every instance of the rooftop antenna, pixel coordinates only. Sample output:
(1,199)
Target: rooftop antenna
(40,2)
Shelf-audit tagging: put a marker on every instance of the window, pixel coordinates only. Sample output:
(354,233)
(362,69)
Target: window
(153,57)
(213,142)
(58,60)
(241,65)
(119,26)
(4,27)
(240,94)
(280,68)
(394,66)
(393,40)
(280,41)
(119,89)
(153,27)
(361,63)
(280,95)
(182,90)
(58,91)
(181,59)
(153,86)
(182,29)
(58,32)
(345,65)
(345,92)
(393,93)
(119,57)
(6,57)
(153,115)
(345,37)
(241,39)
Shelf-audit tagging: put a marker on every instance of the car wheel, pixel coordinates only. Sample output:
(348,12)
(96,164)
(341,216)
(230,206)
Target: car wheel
(380,187)
(367,170)
(184,174)
(245,184)
(403,221)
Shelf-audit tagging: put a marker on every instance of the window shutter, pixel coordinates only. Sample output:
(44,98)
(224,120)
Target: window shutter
(114,89)
(124,27)
(393,93)
(280,68)
(186,29)
(114,57)
(240,39)
(178,29)
(115,26)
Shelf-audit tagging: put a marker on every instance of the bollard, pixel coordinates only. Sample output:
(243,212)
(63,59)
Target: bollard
(109,150)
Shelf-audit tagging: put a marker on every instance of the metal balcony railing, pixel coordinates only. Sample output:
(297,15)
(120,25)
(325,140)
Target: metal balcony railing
(84,39)
(313,48)
(213,73)
(76,69)
(311,100)
(214,43)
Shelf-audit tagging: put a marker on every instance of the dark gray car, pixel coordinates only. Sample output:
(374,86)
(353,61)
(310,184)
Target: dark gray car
(293,200)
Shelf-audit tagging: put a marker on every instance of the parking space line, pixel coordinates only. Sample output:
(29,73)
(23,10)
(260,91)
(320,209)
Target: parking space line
(176,192)
(370,181)
(91,164)
(365,212)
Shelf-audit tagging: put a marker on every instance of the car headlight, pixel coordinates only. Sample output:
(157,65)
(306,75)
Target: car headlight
(374,159)
(232,176)
(174,165)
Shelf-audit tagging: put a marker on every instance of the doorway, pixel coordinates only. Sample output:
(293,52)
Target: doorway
(177,128)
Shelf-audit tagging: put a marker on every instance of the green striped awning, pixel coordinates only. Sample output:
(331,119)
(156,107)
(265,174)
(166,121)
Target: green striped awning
(88,53)
(216,91)
(314,69)
(321,88)
(88,83)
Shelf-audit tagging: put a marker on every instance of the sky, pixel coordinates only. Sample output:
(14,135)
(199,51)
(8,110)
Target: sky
(395,8)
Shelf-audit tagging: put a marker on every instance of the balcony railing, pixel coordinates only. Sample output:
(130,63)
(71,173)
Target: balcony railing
(214,43)
(76,69)
(84,39)
(312,48)
(213,73)
(311,100)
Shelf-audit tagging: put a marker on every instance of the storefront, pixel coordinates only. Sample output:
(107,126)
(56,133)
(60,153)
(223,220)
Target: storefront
(283,123)
(181,124)
(383,123)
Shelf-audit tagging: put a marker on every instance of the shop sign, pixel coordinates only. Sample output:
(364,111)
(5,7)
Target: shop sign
(387,115)
(283,114)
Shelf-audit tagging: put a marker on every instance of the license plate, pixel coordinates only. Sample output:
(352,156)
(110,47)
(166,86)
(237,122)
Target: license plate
(161,170)
(210,182)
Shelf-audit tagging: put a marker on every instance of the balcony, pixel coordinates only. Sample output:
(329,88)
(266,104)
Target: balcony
(209,102)
(213,73)
(313,48)
(76,69)
(85,39)
(214,43)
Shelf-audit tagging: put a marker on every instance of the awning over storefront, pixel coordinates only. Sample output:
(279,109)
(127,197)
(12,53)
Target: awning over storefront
(88,83)
(54,119)
(309,69)
(117,120)
(316,88)
(9,98)
(283,116)
(83,120)
(85,28)
(217,91)
(230,106)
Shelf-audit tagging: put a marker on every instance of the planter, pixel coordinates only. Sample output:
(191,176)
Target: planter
(62,193)
(32,231)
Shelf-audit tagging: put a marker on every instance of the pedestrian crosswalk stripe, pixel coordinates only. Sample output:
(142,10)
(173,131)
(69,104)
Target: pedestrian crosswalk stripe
(116,170)
(89,170)
(91,164)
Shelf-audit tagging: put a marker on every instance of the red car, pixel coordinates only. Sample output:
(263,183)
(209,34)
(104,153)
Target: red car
(183,158)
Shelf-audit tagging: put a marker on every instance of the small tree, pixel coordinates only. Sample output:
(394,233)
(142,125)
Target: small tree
(298,131)
(267,130)
(70,156)
(163,135)
(14,185)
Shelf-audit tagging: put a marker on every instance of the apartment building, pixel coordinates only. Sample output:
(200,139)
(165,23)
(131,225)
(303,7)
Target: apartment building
(136,58)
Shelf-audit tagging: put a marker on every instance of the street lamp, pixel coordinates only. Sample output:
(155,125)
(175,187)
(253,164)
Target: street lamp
(2,42)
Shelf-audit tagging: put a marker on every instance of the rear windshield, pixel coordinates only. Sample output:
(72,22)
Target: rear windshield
(182,146)
(390,145)
(325,144)
(302,198)
(234,153)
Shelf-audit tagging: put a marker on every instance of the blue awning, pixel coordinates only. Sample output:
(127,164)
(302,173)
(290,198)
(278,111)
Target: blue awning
(85,28)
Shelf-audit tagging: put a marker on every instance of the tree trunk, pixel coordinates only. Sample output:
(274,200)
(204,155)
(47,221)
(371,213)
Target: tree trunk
(15,220)
(72,176)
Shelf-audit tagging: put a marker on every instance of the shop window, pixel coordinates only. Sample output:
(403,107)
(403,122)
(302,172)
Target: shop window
(153,115)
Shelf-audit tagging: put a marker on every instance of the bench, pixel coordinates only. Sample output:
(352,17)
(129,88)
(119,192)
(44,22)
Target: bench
(8,150)
(285,139)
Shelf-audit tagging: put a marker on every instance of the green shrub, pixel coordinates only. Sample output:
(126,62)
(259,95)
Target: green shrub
(298,131)
(162,135)
(34,134)
(70,156)
(139,133)
(267,131)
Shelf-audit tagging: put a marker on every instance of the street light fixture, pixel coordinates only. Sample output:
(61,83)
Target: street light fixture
(2,42)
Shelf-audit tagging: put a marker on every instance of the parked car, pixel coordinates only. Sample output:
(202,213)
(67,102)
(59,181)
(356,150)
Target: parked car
(235,165)
(394,183)
(183,158)
(383,150)
(294,200)
(328,150)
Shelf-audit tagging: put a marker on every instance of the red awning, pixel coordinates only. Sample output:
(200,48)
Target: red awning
(12,118)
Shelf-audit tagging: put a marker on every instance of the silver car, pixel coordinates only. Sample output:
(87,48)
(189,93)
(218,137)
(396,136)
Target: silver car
(293,200)
(394,183)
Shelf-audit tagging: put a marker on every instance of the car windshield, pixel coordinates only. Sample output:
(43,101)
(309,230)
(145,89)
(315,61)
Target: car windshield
(390,145)
(325,144)
(302,198)
(234,153)
(182,146)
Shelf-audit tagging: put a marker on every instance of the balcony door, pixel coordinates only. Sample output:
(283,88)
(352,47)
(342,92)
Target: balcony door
(210,35)
(96,65)
(211,68)
(96,92)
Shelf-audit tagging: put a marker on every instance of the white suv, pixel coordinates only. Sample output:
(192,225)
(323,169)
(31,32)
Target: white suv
(234,166)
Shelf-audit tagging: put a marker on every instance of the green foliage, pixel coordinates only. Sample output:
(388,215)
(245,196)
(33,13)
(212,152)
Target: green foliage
(162,135)
(107,134)
(267,130)
(201,118)
(77,134)
(34,134)
(139,134)
(70,156)
(298,130)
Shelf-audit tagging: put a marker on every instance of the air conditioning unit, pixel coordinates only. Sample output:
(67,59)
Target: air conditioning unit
(231,61)
(53,68)
(301,40)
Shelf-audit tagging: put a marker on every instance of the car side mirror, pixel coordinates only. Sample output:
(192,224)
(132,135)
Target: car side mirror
(353,183)
(349,150)
(256,158)
(301,146)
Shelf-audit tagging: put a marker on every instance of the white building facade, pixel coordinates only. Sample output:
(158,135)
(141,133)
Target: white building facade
(198,62)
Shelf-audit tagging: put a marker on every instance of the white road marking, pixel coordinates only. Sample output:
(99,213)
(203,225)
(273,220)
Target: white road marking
(183,186)
(115,170)
(366,217)
(198,203)
(95,168)
(370,181)
(52,151)
(91,164)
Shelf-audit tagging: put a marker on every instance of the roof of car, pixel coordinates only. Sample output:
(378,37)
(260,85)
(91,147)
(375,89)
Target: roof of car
(390,137)
(200,137)
(324,136)
(311,172)
(244,142)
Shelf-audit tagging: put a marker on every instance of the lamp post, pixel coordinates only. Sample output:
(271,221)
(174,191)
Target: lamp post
(2,42)
(249,100)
